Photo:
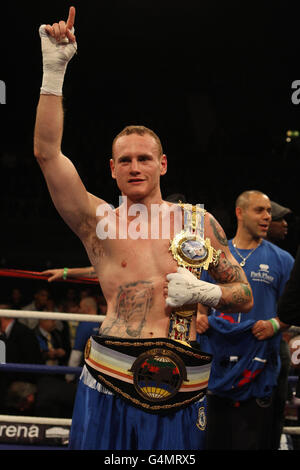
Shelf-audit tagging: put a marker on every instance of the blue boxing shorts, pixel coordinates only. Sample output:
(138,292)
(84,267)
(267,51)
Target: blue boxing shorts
(104,421)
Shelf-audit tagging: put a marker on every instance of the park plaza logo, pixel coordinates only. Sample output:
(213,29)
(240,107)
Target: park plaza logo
(262,275)
(138,221)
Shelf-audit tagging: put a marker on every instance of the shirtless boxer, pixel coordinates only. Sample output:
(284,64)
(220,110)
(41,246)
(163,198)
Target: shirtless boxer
(132,273)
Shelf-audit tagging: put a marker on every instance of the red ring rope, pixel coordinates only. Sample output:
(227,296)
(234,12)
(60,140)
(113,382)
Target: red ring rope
(18,273)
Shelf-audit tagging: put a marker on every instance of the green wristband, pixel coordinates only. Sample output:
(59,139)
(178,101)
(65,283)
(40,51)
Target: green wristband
(275,324)
(65,274)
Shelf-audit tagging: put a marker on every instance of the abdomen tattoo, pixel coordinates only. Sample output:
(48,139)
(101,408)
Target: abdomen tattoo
(133,304)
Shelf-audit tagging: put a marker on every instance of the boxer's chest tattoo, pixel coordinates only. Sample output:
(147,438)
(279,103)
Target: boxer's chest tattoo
(133,304)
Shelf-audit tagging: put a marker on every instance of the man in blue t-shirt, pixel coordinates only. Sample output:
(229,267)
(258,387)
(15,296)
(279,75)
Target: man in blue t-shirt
(245,347)
(88,305)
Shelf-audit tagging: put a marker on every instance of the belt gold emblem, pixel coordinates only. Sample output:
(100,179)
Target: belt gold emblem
(191,251)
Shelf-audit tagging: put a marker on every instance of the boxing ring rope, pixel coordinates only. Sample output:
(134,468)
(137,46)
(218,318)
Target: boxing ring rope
(19,273)
(35,420)
(51,315)
(33,368)
(39,369)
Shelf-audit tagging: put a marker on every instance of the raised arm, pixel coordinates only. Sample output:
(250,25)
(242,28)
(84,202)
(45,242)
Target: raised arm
(232,293)
(68,193)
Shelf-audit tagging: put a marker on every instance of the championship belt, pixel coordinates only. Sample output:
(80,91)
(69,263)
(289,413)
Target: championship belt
(156,375)
(192,252)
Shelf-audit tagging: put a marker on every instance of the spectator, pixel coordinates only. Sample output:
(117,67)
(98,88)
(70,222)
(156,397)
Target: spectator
(245,348)
(102,304)
(22,348)
(20,398)
(40,301)
(278,228)
(55,350)
(16,299)
(38,304)
(70,306)
(277,233)
(55,397)
(49,397)
(88,305)
(289,302)
(289,312)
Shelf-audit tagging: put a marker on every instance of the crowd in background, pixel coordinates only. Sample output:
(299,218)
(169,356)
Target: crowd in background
(45,342)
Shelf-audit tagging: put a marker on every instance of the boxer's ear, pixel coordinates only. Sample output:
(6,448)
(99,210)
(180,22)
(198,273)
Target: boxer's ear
(163,165)
(112,168)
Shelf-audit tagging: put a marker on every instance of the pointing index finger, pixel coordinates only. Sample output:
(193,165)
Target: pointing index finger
(71,18)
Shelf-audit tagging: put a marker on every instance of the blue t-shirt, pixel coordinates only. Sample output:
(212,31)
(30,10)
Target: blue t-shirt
(243,366)
(84,330)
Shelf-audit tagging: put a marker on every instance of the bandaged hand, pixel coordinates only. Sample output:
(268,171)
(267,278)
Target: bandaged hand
(58,47)
(185,288)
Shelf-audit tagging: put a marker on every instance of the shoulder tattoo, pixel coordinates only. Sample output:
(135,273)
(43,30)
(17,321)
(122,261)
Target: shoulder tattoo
(218,231)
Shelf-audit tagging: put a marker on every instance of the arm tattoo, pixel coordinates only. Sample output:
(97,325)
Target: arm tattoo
(246,290)
(238,296)
(225,272)
(218,232)
(133,304)
(236,284)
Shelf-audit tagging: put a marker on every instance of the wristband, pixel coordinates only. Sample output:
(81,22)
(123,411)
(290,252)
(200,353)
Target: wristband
(65,274)
(276,325)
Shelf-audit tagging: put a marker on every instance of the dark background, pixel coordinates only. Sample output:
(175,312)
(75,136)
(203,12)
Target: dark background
(212,79)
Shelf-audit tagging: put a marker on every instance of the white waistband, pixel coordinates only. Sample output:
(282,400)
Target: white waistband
(88,380)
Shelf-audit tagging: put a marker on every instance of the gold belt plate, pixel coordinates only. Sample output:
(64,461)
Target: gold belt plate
(191,251)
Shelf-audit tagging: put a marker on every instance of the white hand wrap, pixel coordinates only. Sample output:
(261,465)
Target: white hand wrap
(185,288)
(55,60)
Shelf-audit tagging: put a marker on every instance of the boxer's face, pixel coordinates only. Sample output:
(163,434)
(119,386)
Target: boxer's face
(137,165)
